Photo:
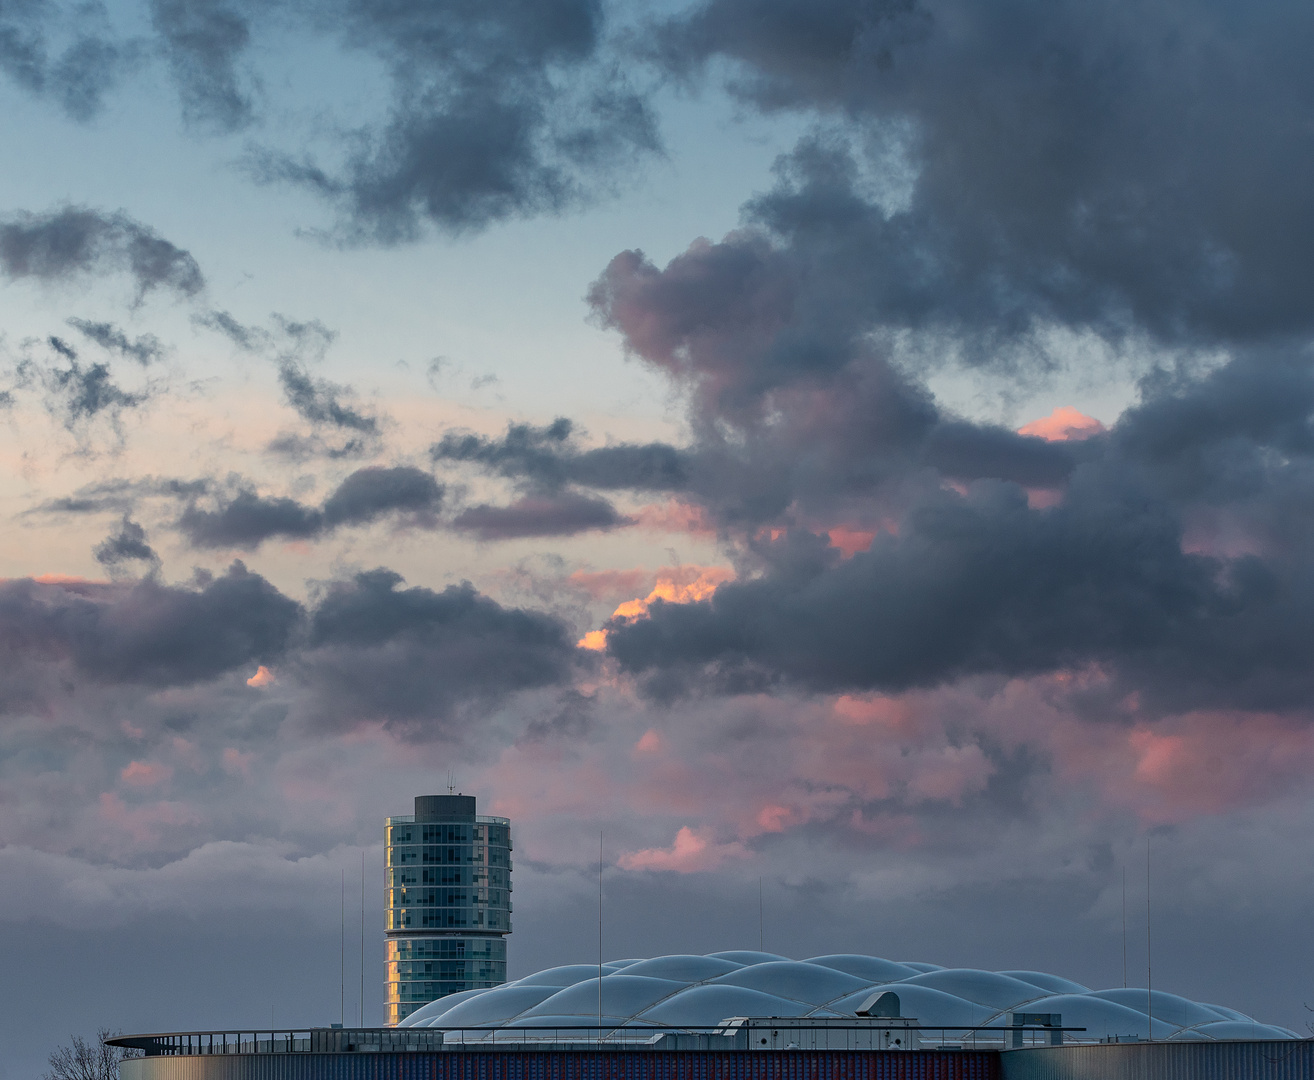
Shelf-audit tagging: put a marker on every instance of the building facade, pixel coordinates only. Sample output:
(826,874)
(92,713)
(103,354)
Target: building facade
(447,902)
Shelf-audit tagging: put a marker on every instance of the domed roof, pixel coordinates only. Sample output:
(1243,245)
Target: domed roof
(701,991)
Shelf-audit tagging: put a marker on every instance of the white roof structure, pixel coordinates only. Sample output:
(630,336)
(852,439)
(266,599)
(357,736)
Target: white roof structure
(701,991)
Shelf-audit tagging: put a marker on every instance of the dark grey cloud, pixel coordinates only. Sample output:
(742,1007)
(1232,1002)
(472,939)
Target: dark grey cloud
(1177,560)
(127,544)
(81,392)
(982,585)
(368,493)
(967,451)
(492,110)
(121,496)
(498,110)
(563,513)
(203,41)
(293,345)
(1085,164)
(368,650)
(417,659)
(319,401)
(550,458)
(74,72)
(145,349)
(148,633)
(982,175)
(246,519)
(74,240)
(246,338)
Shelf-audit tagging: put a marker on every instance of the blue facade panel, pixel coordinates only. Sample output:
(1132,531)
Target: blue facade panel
(1286,1060)
(575,1065)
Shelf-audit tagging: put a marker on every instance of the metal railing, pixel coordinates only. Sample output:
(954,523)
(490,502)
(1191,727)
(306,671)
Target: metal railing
(754,1034)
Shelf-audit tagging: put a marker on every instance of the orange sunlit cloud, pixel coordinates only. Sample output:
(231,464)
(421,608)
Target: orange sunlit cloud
(1064,424)
(675,585)
(262,677)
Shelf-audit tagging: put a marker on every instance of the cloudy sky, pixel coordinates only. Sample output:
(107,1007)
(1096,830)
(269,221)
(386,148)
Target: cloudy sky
(856,450)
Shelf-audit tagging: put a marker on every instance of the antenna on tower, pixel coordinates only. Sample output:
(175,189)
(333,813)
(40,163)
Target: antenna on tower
(451,783)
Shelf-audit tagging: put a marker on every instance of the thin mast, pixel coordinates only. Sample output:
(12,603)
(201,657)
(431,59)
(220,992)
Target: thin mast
(1149,968)
(342,954)
(1124,924)
(362,939)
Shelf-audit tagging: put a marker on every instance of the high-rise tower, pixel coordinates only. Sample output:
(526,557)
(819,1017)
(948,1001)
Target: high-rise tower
(448,901)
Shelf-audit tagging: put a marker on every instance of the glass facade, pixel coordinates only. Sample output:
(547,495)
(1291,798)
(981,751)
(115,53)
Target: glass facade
(447,902)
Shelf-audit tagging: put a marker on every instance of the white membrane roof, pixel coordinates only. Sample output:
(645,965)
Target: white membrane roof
(701,991)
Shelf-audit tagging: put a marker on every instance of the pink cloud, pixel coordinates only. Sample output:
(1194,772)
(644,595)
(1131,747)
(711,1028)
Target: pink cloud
(774,818)
(849,540)
(263,677)
(238,762)
(951,773)
(690,852)
(1064,424)
(144,824)
(649,743)
(145,773)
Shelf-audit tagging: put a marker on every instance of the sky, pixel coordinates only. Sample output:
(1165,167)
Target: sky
(853,453)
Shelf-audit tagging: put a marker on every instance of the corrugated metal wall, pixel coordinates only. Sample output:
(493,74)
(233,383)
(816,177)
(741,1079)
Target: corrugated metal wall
(568,1065)
(1164,1061)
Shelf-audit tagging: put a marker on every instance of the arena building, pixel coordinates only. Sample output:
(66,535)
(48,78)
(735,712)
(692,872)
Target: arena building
(758,1016)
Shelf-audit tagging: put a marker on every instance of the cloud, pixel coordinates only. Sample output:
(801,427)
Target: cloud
(75,240)
(86,67)
(80,393)
(371,492)
(1062,424)
(985,584)
(121,495)
(126,545)
(417,659)
(561,514)
(145,349)
(147,632)
(690,852)
(495,112)
(203,41)
(144,774)
(246,338)
(246,519)
(550,458)
(318,401)
(293,345)
(672,585)
(1044,206)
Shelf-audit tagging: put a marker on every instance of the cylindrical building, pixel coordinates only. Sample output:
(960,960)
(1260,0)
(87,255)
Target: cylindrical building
(448,902)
